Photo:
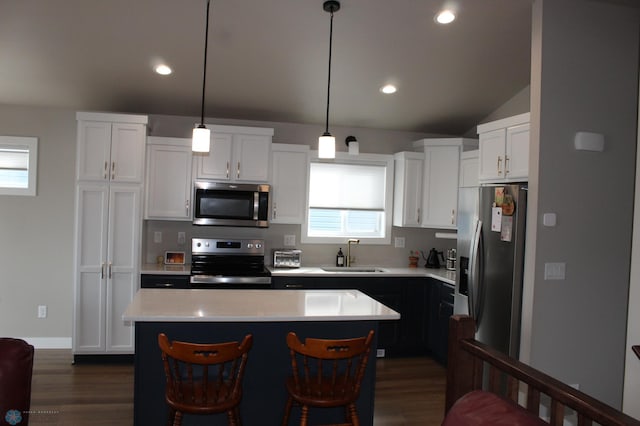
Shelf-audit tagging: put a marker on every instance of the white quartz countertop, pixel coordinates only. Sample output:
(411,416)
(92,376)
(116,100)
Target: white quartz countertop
(162,269)
(441,274)
(159,305)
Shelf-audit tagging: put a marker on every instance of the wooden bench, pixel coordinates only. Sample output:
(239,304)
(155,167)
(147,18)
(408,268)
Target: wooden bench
(483,382)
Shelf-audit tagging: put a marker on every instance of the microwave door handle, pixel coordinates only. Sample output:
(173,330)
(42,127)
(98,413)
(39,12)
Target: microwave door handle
(256,204)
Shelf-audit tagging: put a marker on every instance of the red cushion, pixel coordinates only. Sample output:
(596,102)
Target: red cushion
(480,408)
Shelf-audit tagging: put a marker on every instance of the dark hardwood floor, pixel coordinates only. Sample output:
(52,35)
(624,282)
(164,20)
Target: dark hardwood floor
(409,392)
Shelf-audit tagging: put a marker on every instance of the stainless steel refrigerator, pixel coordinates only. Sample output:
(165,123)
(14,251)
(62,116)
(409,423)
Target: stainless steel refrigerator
(491,235)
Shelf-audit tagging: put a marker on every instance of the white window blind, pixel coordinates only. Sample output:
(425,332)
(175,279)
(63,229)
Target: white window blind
(347,186)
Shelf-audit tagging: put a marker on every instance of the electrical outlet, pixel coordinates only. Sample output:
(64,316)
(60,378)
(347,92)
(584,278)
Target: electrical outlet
(42,311)
(554,271)
(181,238)
(290,240)
(399,242)
(157,237)
(380,353)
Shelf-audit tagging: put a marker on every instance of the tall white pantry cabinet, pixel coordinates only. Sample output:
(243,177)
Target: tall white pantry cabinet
(108,227)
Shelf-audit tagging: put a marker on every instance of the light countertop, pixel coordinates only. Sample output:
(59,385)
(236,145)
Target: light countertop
(161,269)
(159,305)
(441,274)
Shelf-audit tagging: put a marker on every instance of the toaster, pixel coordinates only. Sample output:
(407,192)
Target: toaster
(287,258)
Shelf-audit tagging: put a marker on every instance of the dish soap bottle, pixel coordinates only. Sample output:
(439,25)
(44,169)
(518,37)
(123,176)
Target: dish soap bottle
(340,258)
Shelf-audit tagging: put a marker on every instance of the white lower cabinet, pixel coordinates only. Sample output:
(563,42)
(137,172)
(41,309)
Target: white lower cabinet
(290,164)
(168,183)
(107,259)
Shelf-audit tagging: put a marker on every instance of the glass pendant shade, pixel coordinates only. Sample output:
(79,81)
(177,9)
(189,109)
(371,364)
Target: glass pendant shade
(326,146)
(201,139)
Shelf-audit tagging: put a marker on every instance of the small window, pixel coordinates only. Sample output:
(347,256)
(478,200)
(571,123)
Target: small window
(349,198)
(18,165)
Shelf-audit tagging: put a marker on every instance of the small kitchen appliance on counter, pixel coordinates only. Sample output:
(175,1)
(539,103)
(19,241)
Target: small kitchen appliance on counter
(287,258)
(451,259)
(433,259)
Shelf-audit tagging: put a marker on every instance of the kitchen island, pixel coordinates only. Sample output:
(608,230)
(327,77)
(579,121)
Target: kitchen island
(227,315)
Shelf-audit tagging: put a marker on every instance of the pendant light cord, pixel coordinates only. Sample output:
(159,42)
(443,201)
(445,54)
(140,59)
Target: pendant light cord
(204,73)
(326,129)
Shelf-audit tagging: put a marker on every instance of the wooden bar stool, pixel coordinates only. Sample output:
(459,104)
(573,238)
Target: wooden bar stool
(326,373)
(204,378)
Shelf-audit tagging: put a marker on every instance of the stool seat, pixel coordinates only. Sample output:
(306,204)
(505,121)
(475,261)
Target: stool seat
(326,373)
(204,378)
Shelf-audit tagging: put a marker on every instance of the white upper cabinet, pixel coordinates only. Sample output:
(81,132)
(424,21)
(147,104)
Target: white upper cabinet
(239,154)
(504,150)
(111,147)
(440,180)
(469,169)
(168,183)
(290,165)
(407,191)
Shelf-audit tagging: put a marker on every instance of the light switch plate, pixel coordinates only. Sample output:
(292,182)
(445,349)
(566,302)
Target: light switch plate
(181,237)
(399,242)
(554,271)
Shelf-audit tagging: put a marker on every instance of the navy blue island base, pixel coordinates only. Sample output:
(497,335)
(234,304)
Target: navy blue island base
(268,366)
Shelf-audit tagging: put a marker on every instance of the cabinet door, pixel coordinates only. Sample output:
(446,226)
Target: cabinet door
(123,260)
(407,203)
(289,186)
(94,151)
(492,150)
(469,170)
(440,186)
(91,268)
(217,163)
(251,158)
(517,153)
(127,152)
(168,193)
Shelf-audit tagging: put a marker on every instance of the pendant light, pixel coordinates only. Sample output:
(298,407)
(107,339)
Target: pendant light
(201,135)
(326,142)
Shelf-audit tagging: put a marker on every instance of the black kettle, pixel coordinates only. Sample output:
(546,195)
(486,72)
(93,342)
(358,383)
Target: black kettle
(433,260)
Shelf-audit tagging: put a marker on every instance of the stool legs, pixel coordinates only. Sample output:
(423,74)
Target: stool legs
(287,412)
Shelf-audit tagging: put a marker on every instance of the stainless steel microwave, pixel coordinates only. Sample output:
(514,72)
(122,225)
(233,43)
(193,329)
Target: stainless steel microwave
(231,204)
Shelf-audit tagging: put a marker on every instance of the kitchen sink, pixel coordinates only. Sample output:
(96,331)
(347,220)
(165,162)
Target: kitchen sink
(353,269)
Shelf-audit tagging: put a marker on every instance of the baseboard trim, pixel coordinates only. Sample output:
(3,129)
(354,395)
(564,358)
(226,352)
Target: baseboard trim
(49,342)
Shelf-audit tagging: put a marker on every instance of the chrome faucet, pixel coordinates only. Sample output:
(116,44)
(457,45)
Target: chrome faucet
(349,242)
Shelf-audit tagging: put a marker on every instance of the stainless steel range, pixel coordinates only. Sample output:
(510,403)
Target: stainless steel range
(237,263)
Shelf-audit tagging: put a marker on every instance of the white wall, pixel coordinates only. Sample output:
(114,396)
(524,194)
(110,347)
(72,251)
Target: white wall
(631,394)
(36,233)
(584,77)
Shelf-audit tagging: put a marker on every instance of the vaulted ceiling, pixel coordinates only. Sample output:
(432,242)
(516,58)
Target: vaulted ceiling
(268,59)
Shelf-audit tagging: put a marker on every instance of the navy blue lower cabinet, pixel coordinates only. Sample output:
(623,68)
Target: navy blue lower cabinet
(440,309)
(408,296)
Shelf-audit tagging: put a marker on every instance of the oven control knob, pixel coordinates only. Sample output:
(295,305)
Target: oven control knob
(198,244)
(258,245)
(250,245)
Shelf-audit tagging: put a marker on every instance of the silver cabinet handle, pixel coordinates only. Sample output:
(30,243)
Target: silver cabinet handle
(499,162)
(506,165)
(453,216)
(227,170)
(275,210)
(293,286)
(110,268)
(186,206)
(106,170)
(238,171)
(113,170)
(102,271)
(418,215)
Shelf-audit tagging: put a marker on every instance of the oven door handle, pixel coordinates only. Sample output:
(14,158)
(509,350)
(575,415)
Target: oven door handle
(225,279)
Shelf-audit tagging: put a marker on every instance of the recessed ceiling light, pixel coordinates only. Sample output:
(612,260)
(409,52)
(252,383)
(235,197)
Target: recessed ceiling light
(163,69)
(388,89)
(445,17)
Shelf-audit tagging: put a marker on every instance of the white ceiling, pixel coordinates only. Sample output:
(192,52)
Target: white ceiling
(268,59)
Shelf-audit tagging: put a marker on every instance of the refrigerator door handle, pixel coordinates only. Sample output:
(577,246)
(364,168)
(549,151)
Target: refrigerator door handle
(475,263)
